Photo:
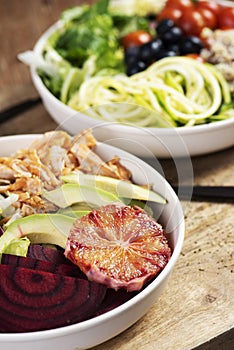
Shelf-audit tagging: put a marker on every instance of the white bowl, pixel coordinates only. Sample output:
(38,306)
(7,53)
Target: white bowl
(101,328)
(145,142)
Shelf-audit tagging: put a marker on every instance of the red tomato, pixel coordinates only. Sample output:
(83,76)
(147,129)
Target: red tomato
(195,57)
(213,6)
(208,16)
(136,38)
(226,18)
(170,13)
(180,4)
(191,22)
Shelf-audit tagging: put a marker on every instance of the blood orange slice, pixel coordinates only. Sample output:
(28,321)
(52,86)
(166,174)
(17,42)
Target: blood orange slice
(119,246)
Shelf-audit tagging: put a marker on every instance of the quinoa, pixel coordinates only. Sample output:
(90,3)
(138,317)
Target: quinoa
(220,53)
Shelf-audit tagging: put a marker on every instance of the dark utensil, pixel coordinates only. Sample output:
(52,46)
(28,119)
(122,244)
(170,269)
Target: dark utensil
(14,110)
(209,193)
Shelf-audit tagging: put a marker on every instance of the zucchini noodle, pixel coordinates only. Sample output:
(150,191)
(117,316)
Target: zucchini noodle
(173,91)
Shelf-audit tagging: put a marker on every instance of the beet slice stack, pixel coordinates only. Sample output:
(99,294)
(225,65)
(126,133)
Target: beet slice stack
(37,295)
(45,291)
(45,253)
(65,269)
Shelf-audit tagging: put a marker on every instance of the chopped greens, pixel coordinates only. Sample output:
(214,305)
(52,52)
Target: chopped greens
(88,44)
(96,35)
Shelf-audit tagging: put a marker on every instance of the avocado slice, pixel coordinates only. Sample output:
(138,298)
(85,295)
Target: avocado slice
(76,207)
(74,213)
(143,205)
(119,188)
(39,228)
(71,193)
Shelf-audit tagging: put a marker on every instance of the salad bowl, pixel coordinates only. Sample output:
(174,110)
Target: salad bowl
(92,332)
(163,142)
(144,142)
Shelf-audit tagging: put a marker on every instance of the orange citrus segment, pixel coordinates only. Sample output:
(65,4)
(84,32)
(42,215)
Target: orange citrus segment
(117,245)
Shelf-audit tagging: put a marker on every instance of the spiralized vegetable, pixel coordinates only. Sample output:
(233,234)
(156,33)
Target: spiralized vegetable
(173,91)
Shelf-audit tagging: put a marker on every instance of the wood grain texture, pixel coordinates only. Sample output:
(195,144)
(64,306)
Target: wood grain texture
(22,23)
(197,304)
(198,301)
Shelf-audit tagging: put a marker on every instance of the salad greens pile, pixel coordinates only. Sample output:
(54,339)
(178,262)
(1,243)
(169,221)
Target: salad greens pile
(86,45)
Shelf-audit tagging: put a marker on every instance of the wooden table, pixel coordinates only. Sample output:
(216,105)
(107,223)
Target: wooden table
(197,308)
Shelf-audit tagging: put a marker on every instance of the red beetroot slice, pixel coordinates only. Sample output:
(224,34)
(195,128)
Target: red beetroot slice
(47,266)
(38,300)
(114,299)
(44,253)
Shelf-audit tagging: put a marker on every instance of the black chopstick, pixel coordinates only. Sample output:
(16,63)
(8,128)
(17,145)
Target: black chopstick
(16,109)
(209,193)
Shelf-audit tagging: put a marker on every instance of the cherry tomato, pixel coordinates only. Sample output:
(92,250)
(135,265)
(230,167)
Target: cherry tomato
(226,18)
(180,4)
(213,6)
(170,13)
(136,38)
(191,22)
(209,17)
(195,57)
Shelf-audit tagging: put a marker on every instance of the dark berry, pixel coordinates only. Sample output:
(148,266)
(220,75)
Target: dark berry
(172,35)
(148,51)
(174,47)
(131,54)
(136,68)
(191,44)
(164,25)
(165,53)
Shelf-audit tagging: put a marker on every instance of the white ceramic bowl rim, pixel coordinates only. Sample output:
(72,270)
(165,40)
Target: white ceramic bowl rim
(56,332)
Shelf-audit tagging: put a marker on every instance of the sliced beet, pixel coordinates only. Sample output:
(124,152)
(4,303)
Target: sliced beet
(47,266)
(113,299)
(37,300)
(44,253)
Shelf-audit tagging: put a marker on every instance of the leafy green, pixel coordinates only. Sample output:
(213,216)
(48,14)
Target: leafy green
(52,84)
(127,24)
(74,13)
(54,68)
(100,7)
(85,12)
(91,32)
(87,44)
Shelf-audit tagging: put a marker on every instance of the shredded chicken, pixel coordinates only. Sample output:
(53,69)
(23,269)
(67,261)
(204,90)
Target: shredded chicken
(29,172)
(91,163)
(6,173)
(123,172)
